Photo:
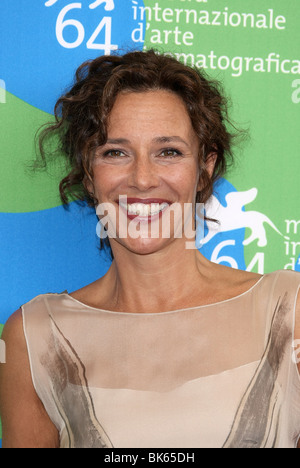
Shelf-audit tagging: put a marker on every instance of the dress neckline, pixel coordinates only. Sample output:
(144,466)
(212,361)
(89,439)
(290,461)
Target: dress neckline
(214,304)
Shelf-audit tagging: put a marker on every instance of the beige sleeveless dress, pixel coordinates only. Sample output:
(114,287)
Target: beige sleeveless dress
(222,375)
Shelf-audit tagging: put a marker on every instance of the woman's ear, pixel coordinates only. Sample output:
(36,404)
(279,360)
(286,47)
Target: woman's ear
(209,169)
(210,163)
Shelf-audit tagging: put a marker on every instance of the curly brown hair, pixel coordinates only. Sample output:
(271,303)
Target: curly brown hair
(81,115)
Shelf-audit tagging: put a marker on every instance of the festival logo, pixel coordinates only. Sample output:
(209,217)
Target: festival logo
(54,37)
(226,238)
(233,216)
(44,42)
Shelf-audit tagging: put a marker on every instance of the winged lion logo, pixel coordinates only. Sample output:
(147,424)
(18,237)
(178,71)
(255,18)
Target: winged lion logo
(232,217)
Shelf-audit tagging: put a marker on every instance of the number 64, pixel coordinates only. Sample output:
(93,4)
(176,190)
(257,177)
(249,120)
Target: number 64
(62,23)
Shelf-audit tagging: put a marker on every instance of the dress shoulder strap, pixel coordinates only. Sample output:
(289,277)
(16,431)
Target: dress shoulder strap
(288,280)
(269,412)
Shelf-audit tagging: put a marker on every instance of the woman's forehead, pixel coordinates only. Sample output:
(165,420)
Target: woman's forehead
(160,113)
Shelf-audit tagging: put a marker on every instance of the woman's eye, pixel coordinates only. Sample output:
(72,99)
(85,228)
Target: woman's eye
(170,153)
(114,154)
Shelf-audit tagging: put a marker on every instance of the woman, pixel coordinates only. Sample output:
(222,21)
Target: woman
(167,349)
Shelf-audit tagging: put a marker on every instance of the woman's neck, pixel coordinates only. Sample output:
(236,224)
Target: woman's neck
(165,280)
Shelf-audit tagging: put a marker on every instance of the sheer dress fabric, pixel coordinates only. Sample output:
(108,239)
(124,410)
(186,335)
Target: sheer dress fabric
(217,376)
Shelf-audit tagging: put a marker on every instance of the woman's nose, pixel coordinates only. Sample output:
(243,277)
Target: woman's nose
(143,175)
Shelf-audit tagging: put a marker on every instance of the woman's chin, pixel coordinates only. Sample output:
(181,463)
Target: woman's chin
(144,246)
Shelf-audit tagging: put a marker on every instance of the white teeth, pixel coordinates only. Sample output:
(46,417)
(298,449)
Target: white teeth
(142,209)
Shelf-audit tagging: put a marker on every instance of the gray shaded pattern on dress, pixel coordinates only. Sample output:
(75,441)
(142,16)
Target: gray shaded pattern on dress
(71,393)
(257,419)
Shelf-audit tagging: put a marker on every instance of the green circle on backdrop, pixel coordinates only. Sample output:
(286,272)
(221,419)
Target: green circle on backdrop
(24,189)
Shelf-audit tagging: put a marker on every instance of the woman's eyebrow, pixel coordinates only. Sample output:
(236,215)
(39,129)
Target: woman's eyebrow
(117,141)
(170,139)
(160,139)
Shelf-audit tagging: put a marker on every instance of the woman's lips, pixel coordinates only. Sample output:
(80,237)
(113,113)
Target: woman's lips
(143,209)
(146,201)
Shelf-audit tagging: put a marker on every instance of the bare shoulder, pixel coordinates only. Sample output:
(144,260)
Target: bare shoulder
(24,419)
(14,328)
(225,282)
(237,280)
(89,294)
(97,294)
(245,277)
(14,339)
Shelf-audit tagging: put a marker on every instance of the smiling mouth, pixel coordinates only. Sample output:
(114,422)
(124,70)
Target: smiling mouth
(143,208)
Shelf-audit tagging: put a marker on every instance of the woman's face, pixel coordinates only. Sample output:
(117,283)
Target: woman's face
(151,157)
